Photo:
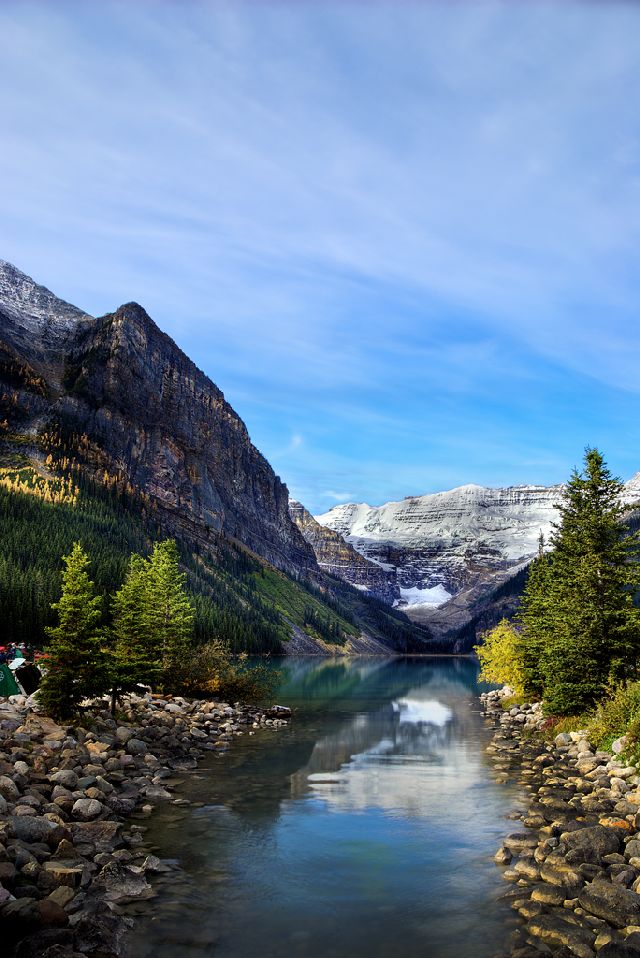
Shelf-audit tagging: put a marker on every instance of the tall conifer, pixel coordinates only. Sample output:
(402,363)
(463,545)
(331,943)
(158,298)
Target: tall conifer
(589,626)
(168,611)
(76,664)
(536,619)
(135,650)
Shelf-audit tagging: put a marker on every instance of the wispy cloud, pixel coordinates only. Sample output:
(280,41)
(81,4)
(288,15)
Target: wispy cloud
(337,496)
(410,237)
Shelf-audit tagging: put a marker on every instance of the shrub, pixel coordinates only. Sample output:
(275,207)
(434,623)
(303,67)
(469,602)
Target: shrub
(615,714)
(501,657)
(553,725)
(211,671)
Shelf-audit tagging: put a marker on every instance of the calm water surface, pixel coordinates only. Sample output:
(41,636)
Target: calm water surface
(366,828)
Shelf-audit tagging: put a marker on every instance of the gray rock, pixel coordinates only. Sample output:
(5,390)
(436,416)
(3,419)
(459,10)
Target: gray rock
(616,905)
(590,844)
(117,882)
(8,788)
(29,829)
(619,949)
(65,777)
(156,793)
(104,835)
(560,931)
(101,933)
(564,738)
(86,809)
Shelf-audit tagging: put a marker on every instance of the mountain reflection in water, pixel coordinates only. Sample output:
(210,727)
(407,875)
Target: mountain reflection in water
(365,828)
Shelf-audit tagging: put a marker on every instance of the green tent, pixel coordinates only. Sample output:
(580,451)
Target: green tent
(8,685)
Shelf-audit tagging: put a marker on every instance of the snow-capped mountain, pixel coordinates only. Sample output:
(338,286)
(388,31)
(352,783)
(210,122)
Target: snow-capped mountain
(447,549)
(339,558)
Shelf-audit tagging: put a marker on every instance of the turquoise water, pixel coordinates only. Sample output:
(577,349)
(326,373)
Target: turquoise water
(366,828)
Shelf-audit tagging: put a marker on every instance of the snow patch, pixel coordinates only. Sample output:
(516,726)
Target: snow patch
(417,596)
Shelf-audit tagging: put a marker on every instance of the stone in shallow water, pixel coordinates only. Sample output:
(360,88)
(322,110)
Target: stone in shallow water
(549,894)
(560,931)
(116,882)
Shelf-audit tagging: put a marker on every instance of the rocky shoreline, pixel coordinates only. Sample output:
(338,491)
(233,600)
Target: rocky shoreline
(575,867)
(71,857)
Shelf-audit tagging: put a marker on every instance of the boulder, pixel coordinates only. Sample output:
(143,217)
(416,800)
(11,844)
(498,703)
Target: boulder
(564,738)
(614,904)
(590,844)
(8,789)
(117,883)
(101,933)
(29,829)
(104,833)
(559,931)
(86,809)
(65,777)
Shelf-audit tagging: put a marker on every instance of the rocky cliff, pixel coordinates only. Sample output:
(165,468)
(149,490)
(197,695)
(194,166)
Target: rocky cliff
(335,555)
(147,414)
(112,403)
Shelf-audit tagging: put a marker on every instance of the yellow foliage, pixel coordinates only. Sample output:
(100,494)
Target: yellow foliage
(57,491)
(501,656)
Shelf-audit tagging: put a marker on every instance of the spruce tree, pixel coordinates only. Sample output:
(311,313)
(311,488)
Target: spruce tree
(135,650)
(76,664)
(589,622)
(536,620)
(168,611)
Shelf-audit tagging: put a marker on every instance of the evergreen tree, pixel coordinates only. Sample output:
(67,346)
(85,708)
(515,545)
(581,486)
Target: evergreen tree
(588,631)
(168,612)
(77,665)
(135,650)
(536,620)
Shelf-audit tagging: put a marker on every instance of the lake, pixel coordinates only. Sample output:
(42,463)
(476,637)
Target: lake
(365,828)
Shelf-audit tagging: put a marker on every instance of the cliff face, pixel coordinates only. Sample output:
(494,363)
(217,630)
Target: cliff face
(149,415)
(336,556)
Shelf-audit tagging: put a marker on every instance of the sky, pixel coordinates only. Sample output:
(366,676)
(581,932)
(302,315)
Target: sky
(402,237)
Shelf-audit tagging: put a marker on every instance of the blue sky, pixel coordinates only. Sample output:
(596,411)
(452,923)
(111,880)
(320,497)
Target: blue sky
(402,237)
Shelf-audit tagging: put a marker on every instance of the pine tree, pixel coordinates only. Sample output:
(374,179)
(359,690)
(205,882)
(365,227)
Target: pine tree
(77,665)
(590,623)
(136,651)
(168,611)
(536,620)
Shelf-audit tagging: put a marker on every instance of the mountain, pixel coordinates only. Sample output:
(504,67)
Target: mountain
(457,557)
(338,557)
(113,407)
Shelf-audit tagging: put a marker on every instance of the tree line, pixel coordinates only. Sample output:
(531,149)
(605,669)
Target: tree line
(577,632)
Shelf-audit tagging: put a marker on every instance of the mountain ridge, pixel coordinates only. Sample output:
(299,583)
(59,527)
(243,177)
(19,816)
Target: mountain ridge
(117,398)
(449,551)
